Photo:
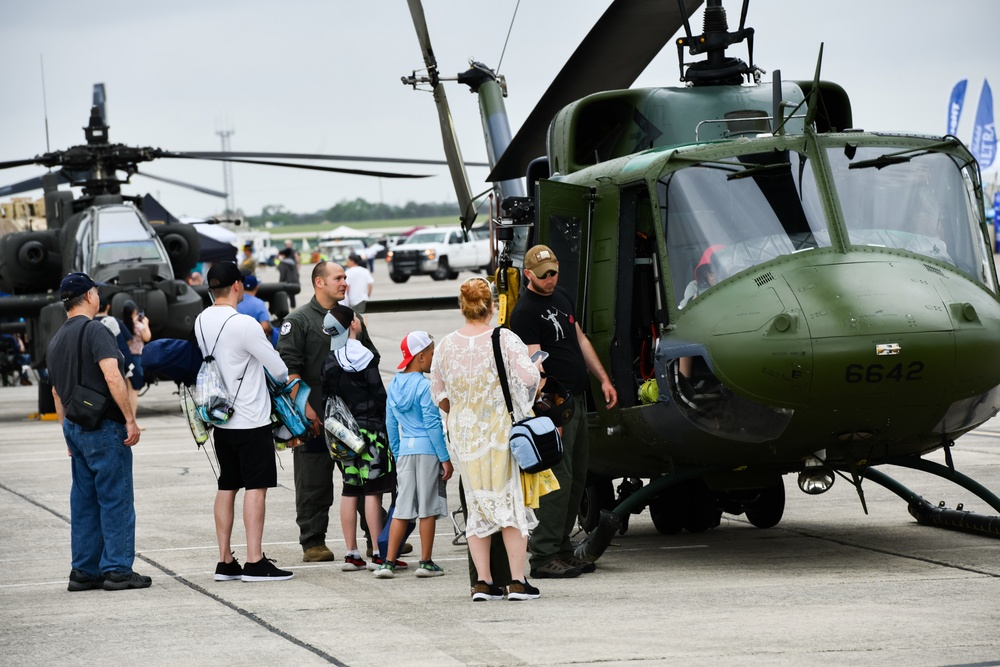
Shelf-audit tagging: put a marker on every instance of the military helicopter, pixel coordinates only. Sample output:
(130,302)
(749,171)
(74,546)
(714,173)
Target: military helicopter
(106,234)
(772,290)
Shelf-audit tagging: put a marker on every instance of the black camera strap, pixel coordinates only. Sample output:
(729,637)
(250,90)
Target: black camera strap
(79,357)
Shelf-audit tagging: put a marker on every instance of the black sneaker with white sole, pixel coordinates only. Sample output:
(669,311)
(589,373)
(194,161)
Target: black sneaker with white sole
(522,590)
(264,570)
(484,592)
(230,571)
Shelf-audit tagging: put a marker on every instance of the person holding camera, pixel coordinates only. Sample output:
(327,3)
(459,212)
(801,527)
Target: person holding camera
(244,444)
(137,325)
(84,355)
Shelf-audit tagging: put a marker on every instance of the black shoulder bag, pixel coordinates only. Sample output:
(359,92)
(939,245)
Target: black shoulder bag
(86,407)
(535,441)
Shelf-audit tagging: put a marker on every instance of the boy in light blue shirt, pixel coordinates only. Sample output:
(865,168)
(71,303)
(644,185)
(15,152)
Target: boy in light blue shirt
(423,466)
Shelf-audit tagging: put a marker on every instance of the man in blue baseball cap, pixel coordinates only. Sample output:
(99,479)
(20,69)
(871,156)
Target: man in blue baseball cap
(84,355)
(256,307)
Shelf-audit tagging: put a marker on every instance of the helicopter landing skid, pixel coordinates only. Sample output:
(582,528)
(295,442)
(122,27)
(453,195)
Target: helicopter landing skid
(941,516)
(612,521)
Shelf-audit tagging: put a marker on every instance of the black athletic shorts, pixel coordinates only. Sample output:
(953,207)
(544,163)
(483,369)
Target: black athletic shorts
(385,483)
(246,458)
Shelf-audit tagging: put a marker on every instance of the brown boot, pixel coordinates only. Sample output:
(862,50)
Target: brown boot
(317,554)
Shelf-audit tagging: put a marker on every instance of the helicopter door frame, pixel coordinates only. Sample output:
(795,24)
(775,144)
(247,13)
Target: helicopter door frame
(638,296)
(565,214)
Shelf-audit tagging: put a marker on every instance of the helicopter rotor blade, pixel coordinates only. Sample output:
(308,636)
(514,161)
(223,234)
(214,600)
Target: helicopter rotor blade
(189,186)
(28,185)
(612,55)
(10,164)
(313,167)
(317,156)
(448,136)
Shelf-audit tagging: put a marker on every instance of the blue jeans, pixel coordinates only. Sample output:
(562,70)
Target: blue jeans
(102,511)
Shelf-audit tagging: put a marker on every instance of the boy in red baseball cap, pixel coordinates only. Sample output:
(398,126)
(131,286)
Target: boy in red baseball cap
(416,438)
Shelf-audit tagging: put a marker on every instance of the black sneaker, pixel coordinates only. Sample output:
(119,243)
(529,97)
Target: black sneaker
(119,581)
(484,592)
(230,571)
(264,570)
(522,590)
(80,581)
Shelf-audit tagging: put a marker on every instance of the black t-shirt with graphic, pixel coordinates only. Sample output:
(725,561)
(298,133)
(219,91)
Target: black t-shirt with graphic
(549,321)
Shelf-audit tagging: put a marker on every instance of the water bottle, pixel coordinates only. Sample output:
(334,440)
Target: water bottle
(198,428)
(344,434)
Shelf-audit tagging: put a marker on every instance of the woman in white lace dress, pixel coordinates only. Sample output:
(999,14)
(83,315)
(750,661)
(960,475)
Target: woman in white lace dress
(464,382)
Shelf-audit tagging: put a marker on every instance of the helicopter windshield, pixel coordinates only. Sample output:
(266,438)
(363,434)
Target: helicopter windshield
(725,216)
(922,203)
(122,236)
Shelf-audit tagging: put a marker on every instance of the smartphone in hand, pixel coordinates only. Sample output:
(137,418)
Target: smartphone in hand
(539,356)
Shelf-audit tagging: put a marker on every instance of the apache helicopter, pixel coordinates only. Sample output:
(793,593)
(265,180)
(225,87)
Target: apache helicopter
(108,235)
(772,290)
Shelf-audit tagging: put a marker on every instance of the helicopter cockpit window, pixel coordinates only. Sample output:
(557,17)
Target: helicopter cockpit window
(725,216)
(121,236)
(920,202)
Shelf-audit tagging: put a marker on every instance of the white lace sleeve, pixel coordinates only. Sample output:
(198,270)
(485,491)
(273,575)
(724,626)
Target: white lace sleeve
(522,375)
(439,391)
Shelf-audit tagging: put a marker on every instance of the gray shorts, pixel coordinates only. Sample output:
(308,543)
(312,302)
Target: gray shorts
(420,491)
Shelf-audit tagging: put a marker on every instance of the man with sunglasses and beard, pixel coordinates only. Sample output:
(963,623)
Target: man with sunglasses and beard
(545,319)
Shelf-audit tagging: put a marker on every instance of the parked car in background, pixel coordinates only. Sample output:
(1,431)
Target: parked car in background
(339,251)
(438,252)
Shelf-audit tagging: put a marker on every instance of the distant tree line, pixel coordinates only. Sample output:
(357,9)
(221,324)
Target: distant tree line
(352,211)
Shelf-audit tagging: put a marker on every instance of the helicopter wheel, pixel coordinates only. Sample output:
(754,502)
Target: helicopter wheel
(766,511)
(699,511)
(596,497)
(665,512)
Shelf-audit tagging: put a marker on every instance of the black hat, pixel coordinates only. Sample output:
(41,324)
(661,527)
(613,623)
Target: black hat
(223,274)
(76,284)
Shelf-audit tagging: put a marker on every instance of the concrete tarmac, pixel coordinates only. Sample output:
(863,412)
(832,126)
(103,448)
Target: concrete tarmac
(828,586)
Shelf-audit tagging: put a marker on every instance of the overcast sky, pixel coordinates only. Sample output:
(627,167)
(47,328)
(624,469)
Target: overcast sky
(324,77)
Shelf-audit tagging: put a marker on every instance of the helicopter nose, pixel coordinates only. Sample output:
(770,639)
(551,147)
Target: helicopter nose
(870,333)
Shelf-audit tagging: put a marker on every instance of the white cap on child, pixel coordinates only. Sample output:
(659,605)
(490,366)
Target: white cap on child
(413,344)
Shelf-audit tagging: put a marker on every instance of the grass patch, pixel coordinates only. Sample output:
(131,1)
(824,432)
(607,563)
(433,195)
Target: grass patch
(365,225)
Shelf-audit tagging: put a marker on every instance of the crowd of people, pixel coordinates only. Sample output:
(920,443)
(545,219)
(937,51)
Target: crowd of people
(513,520)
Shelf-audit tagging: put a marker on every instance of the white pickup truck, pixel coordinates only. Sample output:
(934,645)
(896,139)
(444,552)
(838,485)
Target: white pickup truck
(440,252)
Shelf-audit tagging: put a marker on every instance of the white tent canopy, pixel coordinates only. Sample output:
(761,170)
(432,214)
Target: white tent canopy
(215,230)
(345,232)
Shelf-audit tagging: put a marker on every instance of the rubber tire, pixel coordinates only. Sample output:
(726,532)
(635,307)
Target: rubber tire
(443,271)
(769,507)
(664,510)
(699,512)
(596,497)
(399,277)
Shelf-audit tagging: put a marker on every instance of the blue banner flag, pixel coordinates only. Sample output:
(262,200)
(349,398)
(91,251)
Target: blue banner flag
(984,134)
(955,106)
(996,219)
